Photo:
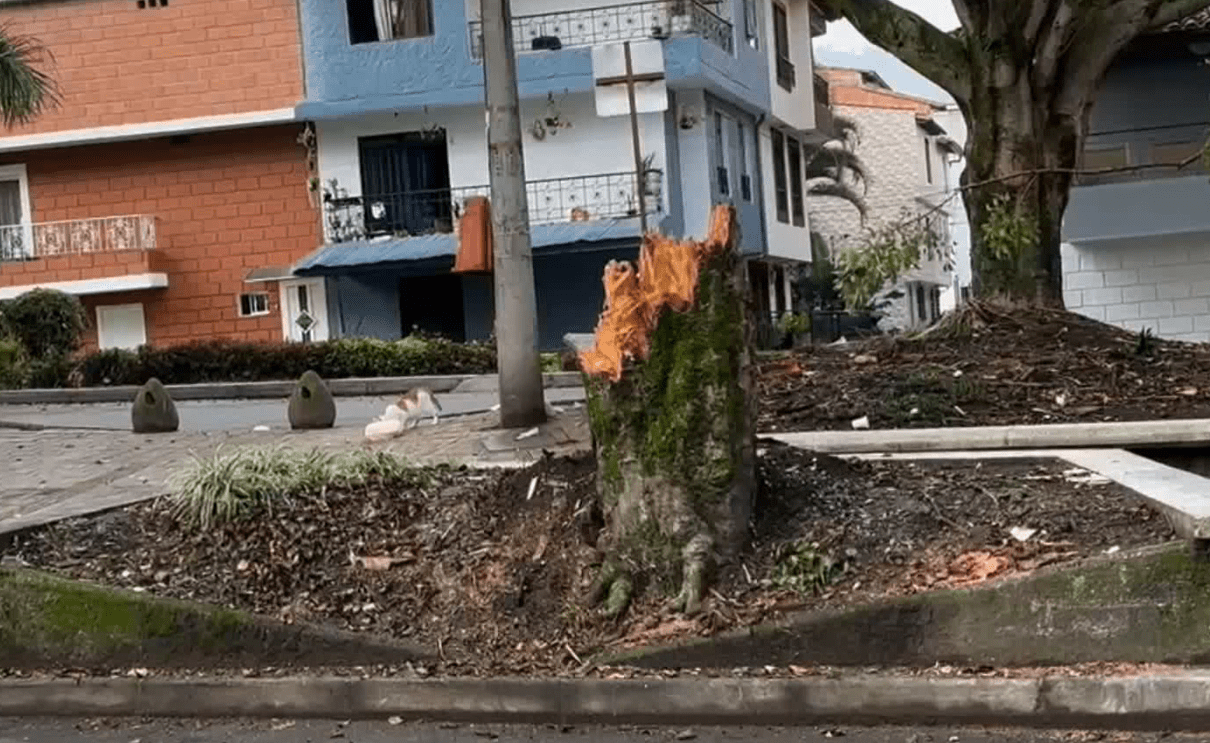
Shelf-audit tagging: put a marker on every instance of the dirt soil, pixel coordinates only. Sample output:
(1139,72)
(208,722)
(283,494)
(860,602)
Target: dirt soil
(475,566)
(988,365)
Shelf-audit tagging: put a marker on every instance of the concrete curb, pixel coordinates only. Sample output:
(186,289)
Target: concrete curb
(352,387)
(1144,702)
(1116,435)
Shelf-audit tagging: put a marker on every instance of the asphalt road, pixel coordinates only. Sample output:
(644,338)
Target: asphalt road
(244,415)
(186,731)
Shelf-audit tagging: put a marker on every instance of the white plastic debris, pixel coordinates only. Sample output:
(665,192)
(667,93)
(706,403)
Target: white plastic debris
(528,434)
(533,486)
(260,429)
(1085,477)
(1113,550)
(381,430)
(1021,533)
(862,423)
(1061,399)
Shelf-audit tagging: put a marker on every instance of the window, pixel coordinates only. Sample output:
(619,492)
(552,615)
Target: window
(779,176)
(384,20)
(722,177)
(252,305)
(796,183)
(745,177)
(751,24)
(921,307)
(16,233)
(935,301)
(928,161)
(1097,158)
(781,41)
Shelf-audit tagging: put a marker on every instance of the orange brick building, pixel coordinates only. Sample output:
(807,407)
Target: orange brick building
(168,190)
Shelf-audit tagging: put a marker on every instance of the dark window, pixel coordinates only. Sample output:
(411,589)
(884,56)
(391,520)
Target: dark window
(779,289)
(722,177)
(383,20)
(745,178)
(796,183)
(251,305)
(405,184)
(921,307)
(779,176)
(751,24)
(928,161)
(781,41)
(935,301)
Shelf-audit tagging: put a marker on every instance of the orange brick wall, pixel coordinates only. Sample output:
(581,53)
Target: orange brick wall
(227,203)
(116,63)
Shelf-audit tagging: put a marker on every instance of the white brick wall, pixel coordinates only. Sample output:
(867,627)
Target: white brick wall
(1162,284)
(892,147)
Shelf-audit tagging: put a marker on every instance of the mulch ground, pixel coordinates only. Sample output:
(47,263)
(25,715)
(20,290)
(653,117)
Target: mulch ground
(988,365)
(489,573)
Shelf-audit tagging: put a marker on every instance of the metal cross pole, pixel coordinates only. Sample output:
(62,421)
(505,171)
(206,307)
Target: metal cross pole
(630,79)
(521,396)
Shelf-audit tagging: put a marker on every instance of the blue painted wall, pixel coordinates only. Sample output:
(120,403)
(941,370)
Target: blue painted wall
(344,79)
(1143,102)
(569,289)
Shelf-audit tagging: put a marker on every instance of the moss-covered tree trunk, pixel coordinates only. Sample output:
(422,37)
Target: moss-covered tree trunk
(675,435)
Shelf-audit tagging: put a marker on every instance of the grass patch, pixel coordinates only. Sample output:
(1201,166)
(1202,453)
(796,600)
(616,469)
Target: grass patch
(233,484)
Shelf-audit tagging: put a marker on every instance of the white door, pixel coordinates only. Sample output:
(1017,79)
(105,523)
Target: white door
(121,326)
(304,310)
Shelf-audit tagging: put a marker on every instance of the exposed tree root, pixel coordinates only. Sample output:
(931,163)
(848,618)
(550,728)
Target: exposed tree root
(614,588)
(697,559)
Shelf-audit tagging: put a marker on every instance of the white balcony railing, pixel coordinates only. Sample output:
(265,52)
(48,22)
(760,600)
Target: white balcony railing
(77,237)
(611,24)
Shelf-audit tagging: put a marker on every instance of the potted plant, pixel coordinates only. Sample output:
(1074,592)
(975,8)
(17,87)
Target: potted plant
(651,177)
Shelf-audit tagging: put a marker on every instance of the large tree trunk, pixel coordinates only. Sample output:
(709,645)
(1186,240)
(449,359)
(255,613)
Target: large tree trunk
(673,415)
(1019,149)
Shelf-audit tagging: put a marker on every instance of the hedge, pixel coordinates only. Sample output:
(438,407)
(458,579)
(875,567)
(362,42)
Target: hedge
(227,361)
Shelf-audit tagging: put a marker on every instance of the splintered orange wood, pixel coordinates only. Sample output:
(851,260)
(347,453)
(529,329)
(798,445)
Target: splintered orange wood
(666,277)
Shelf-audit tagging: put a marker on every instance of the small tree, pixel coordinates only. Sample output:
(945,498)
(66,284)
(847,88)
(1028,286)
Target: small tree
(47,322)
(26,90)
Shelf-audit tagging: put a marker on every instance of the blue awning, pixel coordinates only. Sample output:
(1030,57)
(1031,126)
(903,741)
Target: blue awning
(550,239)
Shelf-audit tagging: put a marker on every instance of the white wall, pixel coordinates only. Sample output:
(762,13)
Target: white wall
(694,147)
(591,146)
(795,108)
(1157,283)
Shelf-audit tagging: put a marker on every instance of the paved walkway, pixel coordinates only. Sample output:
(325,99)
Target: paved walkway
(55,474)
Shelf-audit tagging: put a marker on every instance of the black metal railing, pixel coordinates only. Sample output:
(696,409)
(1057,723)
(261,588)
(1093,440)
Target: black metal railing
(785,73)
(612,24)
(411,213)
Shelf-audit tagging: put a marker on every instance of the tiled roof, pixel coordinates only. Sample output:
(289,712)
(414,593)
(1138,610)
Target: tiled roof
(1199,21)
(544,238)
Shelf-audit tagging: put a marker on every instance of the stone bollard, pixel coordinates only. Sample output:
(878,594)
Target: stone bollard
(311,404)
(153,410)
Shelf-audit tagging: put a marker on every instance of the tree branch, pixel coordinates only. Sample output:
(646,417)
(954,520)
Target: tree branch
(917,43)
(1175,10)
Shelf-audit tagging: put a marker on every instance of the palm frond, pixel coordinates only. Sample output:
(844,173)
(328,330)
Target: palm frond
(26,90)
(845,129)
(836,163)
(836,189)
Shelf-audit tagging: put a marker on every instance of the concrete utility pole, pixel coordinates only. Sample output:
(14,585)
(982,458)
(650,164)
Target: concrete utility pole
(521,397)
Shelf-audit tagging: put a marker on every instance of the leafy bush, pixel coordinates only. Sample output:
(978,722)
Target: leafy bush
(47,322)
(14,365)
(228,361)
(226,486)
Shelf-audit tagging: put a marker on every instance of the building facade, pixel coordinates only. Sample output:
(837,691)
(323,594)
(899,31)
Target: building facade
(169,179)
(907,154)
(1136,247)
(395,90)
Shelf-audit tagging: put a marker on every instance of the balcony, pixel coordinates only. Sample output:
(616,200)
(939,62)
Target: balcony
(77,237)
(658,19)
(81,256)
(823,107)
(413,213)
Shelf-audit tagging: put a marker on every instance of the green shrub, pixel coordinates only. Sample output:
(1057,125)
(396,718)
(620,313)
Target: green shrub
(14,365)
(229,361)
(47,322)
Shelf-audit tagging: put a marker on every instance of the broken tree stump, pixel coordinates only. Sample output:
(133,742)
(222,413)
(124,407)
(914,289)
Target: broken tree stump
(672,407)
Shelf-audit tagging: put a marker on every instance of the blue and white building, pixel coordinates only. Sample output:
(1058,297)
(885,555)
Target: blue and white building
(395,95)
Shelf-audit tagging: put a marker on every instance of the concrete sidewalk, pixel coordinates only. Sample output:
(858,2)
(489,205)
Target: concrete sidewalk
(1174,701)
(57,474)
